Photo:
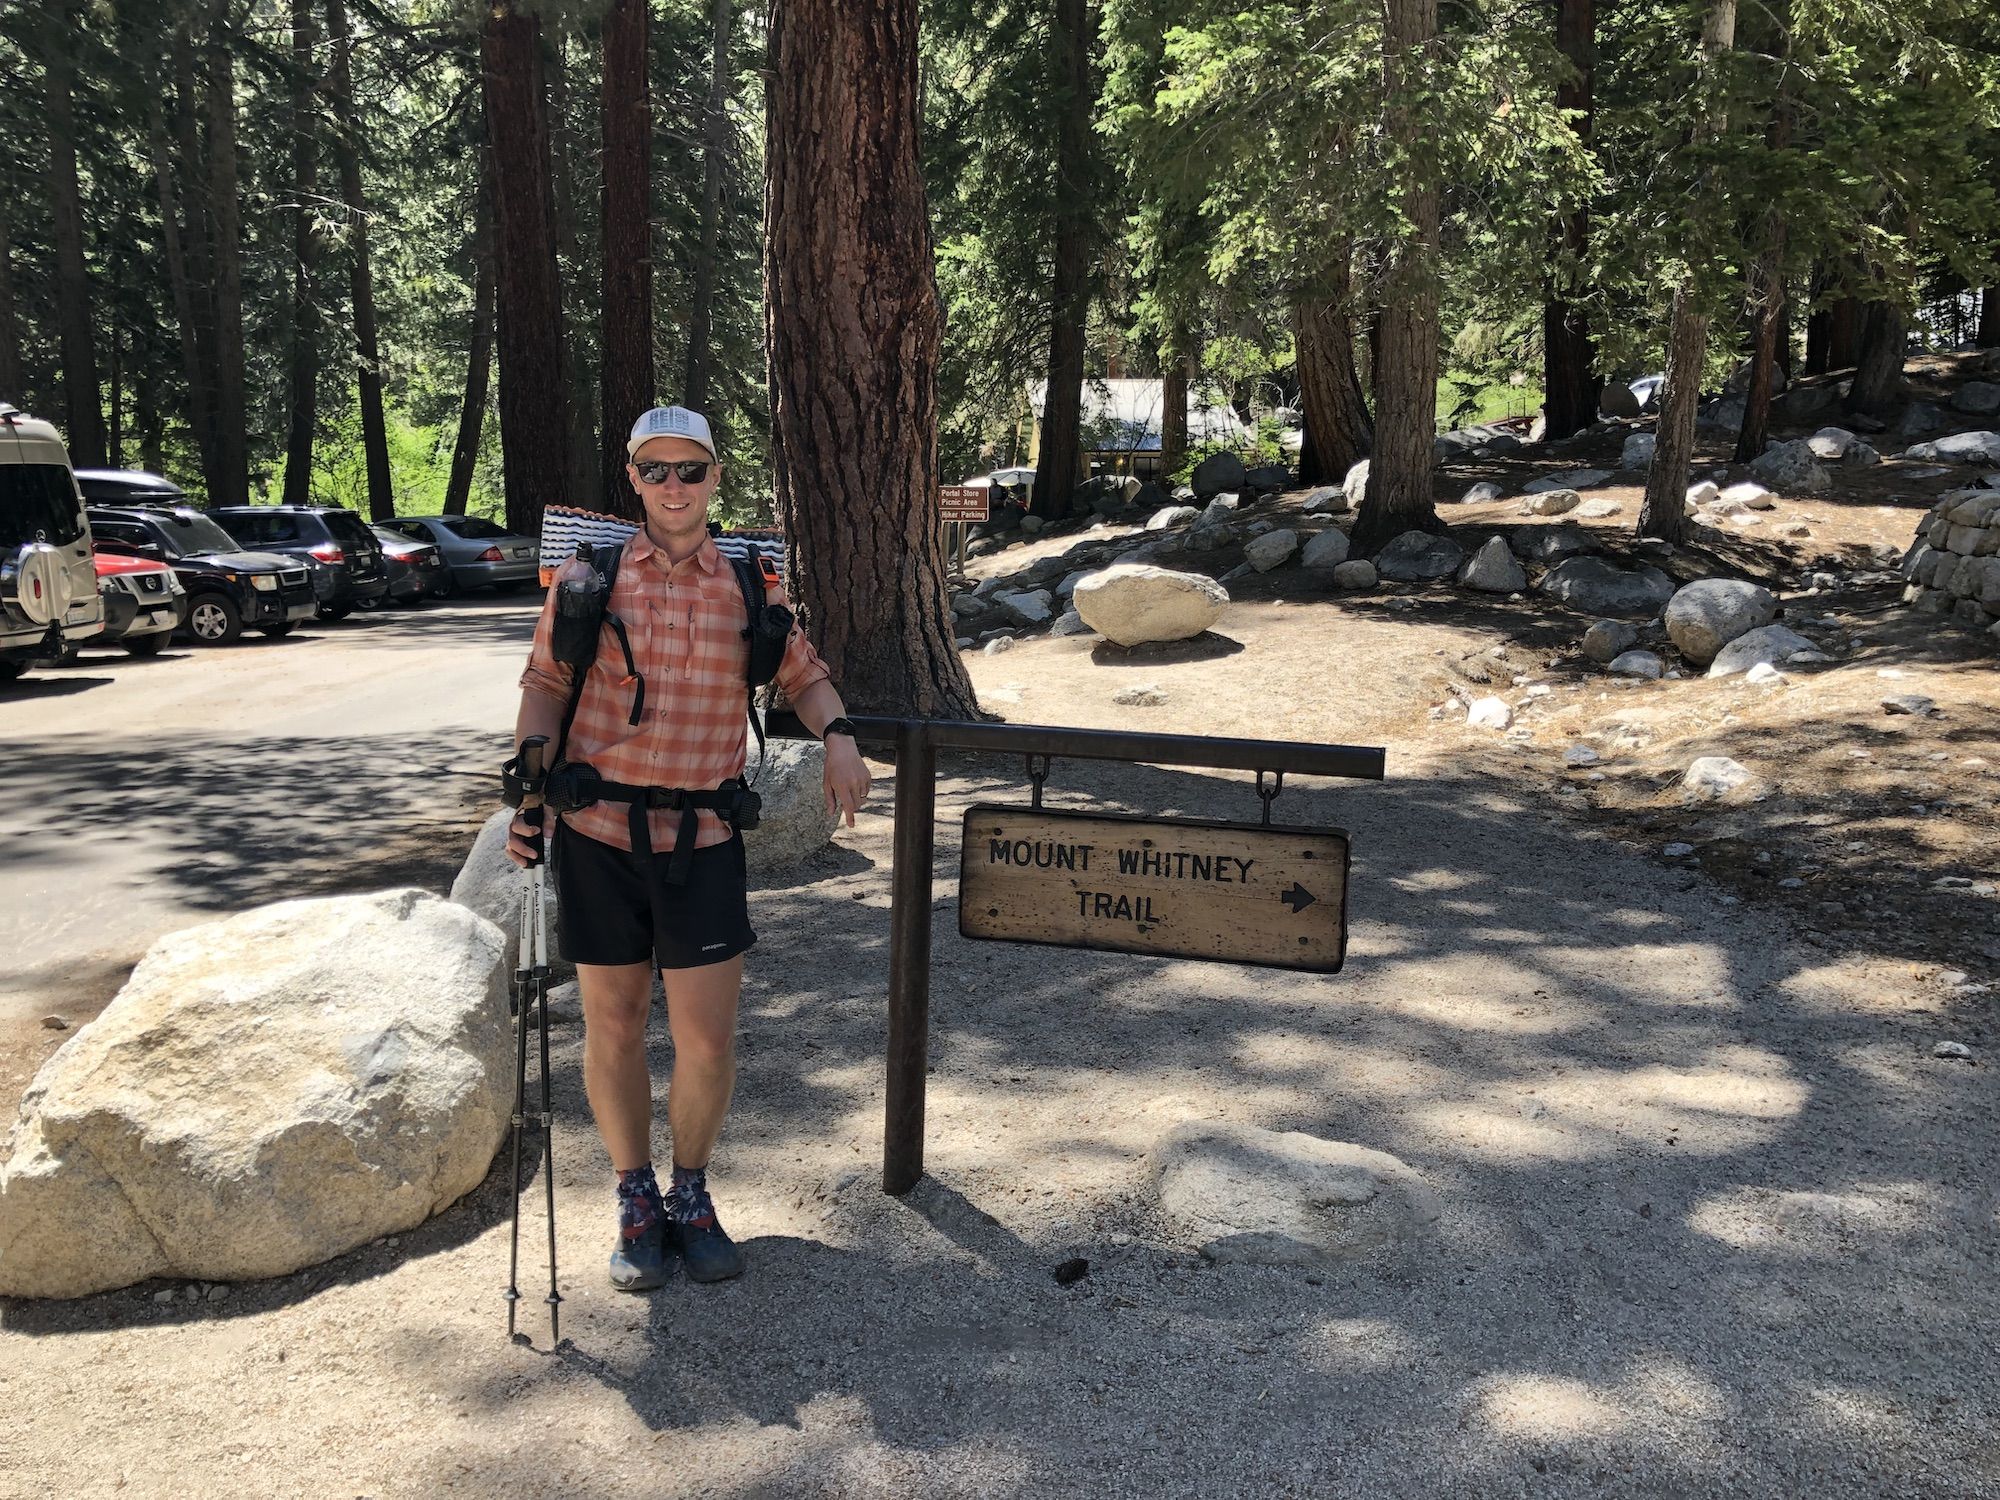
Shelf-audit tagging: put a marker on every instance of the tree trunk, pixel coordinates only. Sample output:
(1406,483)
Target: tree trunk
(534,430)
(360,276)
(10,322)
(1399,494)
(1569,380)
(187,179)
(582,485)
(305,257)
(175,251)
(479,355)
(853,323)
(232,466)
(1878,373)
(714,163)
(1988,335)
(1072,36)
(1175,367)
(146,419)
(1843,334)
(1664,512)
(625,368)
(83,406)
(1338,434)
(116,387)
(1766,307)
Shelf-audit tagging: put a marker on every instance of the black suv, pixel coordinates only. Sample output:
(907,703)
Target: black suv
(227,587)
(337,539)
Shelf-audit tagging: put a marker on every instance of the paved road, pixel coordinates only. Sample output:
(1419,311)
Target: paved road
(142,794)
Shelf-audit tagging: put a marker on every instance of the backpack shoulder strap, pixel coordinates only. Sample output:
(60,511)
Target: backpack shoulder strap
(605,558)
(750,579)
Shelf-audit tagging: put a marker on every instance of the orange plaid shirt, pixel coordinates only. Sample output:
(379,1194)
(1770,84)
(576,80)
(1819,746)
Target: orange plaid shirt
(686,624)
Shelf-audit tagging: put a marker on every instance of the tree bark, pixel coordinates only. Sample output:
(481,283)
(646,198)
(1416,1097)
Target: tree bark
(360,275)
(714,164)
(187,179)
(1664,511)
(1399,496)
(1988,335)
(305,257)
(83,400)
(1072,36)
(479,354)
(1843,333)
(582,484)
(853,324)
(534,429)
(1338,432)
(232,465)
(1570,382)
(625,368)
(10,321)
(1767,307)
(1878,373)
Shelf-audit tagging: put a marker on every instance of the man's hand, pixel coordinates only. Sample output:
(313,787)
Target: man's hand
(846,777)
(519,834)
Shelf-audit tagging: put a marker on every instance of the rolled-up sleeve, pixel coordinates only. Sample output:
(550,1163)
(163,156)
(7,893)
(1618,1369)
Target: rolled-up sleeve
(544,674)
(802,666)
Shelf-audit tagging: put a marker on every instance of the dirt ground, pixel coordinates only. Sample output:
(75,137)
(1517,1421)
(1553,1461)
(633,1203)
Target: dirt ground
(1716,1219)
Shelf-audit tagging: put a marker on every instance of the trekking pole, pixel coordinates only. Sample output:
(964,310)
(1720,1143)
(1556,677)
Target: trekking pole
(530,990)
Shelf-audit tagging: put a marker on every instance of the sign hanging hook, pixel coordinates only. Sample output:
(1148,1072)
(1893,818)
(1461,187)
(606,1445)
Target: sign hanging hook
(1038,772)
(1267,794)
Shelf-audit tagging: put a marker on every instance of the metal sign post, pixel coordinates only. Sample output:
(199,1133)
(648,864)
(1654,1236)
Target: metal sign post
(961,506)
(1293,879)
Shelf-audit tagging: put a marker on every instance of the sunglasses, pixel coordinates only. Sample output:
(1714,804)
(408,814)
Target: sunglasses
(690,470)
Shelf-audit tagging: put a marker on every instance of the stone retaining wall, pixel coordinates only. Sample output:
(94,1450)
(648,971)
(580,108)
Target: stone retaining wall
(1954,565)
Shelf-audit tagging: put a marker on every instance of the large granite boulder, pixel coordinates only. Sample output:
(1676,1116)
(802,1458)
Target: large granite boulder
(1792,466)
(794,822)
(1959,448)
(1419,556)
(1355,484)
(1270,550)
(1284,1198)
(1216,473)
(1707,615)
(1774,644)
(1492,569)
(266,1092)
(1597,586)
(1326,549)
(1134,603)
(1545,546)
(1267,479)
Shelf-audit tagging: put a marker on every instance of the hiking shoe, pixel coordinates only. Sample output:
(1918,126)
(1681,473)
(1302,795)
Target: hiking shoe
(639,1264)
(705,1249)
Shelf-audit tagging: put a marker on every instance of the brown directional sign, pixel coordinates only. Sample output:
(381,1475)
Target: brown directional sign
(964,502)
(1242,893)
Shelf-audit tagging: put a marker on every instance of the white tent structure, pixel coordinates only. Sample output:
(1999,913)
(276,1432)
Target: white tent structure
(1121,423)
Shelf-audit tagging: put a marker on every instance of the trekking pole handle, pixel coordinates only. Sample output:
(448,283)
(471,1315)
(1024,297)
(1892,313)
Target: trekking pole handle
(533,760)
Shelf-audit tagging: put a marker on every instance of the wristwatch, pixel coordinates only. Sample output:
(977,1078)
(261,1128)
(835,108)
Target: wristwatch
(842,725)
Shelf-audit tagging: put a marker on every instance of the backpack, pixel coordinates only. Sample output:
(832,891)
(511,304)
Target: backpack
(583,611)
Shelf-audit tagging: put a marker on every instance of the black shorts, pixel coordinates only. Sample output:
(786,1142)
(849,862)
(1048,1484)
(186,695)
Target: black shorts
(611,915)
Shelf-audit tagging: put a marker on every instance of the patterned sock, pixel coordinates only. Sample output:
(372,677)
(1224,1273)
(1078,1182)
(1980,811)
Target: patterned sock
(688,1198)
(640,1206)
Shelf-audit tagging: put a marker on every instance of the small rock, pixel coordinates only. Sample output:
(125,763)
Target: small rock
(1492,569)
(1953,1051)
(1355,485)
(1489,713)
(1580,755)
(162,1298)
(998,644)
(1325,501)
(1597,510)
(1637,664)
(1705,493)
(1714,776)
(1482,493)
(1551,502)
(1328,549)
(1172,515)
(1765,675)
(1069,622)
(1678,851)
(1749,494)
(1145,695)
(55,1023)
(1609,639)
(1356,573)
(1638,452)
(1271,550)
(1910,703)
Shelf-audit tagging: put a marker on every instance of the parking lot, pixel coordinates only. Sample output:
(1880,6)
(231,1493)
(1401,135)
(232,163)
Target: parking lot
(147,792)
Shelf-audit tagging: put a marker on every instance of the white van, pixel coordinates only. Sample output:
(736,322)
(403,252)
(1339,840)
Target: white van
(48,584)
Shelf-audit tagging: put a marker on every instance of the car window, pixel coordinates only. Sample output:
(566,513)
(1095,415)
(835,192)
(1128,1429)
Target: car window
(416,531)
(38,500)
(475,528)
(188,532)
(128,532)
(257,528)
(346,527)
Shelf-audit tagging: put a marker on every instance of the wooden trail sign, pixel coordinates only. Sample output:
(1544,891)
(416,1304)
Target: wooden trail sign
(1243,893)
(965,503)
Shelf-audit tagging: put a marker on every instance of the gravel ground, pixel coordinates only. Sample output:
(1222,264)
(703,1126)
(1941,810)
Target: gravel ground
(1716,1223)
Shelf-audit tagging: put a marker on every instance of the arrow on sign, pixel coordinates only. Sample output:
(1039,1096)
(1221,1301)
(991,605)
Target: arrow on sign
(1298,898)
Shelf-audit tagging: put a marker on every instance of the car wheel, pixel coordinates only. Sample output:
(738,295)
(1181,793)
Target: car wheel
(335,611)
(214,620)
(447,586)
(276,632)
(147,645)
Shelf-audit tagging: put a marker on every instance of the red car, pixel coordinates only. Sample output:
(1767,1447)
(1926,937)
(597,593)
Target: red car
(143,602)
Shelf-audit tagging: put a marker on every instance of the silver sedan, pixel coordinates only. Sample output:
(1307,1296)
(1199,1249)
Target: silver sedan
(477,553)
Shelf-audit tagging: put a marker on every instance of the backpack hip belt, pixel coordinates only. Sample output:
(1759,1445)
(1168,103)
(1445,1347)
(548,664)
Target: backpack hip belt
(574,785)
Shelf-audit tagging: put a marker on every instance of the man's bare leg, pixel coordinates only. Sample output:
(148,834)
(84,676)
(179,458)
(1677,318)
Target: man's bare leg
(615,1077)
(701,1014)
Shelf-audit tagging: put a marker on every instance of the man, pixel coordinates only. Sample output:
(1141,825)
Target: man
(623,913)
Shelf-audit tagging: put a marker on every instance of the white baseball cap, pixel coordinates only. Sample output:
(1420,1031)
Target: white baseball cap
(670,421)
